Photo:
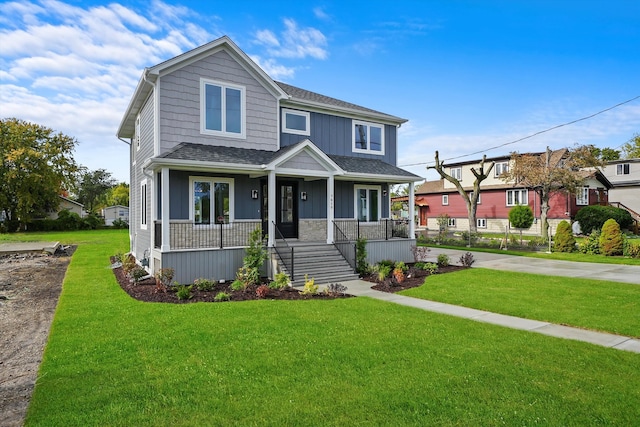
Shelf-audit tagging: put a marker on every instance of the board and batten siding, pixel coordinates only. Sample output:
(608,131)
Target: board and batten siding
(180,105)
(397,250)
(142,237)
(333,135)
(210,264)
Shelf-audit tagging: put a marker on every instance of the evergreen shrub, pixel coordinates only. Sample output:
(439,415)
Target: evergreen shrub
(564,240)
(611,239)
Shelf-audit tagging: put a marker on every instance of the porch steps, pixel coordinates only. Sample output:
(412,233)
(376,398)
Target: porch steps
(322,262)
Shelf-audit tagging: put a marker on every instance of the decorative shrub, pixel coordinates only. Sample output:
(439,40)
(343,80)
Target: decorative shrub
(631,249)
(611,239)
(590,244)
(430,267)
(255,256)
(128,264)
(310,288)
(335,289)
(262,291)
(593,217)
(120,223)
(281,281)
(398,272)
(138,273)
(443,260)
(164,276)
(222,296)
(564,240)
(420,253)
(183,292)
(361,256)
(203,284)
(467,260)
(383,271)
(238,285)
(470,238)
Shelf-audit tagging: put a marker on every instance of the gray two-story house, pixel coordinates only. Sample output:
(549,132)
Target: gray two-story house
(219,149)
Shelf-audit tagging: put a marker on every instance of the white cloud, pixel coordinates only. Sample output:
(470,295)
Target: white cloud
(294,42)
(273,69)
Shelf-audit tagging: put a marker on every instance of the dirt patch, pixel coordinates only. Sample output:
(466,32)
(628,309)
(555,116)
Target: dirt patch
(30,286)
(415,277)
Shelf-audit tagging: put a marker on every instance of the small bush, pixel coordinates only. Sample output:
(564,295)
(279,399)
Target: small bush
(138,273)
(165,276)
(471,238)
(611,239)
(430,267)
(310,288)
(398,272)
(591,244)
(238,285)
(383,271)
(281,281)
(183,292)
(361,256)
(128,264)
(564,240)
(420,253)
(467,260)
(631,249)
(262,291)
(203,284)
(120,223)
(222,296)
(443,260)
(335,289)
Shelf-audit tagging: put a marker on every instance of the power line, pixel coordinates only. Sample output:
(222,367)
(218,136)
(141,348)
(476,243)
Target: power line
(533,134)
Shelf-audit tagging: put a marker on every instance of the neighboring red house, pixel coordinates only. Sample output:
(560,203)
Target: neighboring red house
(497,197)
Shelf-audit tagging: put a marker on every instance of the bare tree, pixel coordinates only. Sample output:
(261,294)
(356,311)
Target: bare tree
(472,202)
(551,172)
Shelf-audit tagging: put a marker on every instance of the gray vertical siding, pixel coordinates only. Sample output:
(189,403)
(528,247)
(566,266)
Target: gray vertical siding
(395,250)
(316,204)
(180,105)
(210,264)
(333,135)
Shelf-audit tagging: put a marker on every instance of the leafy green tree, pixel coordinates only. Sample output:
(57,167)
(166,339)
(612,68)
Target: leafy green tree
(118,195)
(93,189)
(521,217)
(631,148)
(37,166)
(605,154)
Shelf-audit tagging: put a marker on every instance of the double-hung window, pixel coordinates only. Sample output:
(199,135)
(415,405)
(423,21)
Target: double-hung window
(368,138)
(500,168)
(582,197)
(445,199)
(211,200)
(456,173)
(368,203)
(222,109)
(517,197)
(479,197)
(622,169)
(296,122)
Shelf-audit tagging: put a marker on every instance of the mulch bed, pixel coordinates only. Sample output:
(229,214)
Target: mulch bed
(146,290)
(414,278)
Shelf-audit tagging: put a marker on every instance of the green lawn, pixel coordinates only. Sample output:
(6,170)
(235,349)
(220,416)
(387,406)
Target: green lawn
(592,304)
(114,361)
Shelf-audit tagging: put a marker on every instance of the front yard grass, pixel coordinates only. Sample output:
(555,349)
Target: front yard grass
(592,304)
(112,360)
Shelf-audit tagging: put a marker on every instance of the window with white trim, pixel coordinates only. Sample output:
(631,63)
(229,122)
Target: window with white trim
(296,122)
(456,173)
(211,200)
(500,168)
(451,222)
(582,197)
(222,109)
(368,137)
(367,203)
(517,197)
(445,199)
(622,169)
(143,204)
(481,222)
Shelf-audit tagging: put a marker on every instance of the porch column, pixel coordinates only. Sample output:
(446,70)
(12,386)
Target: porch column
(271,200)
(165,204)
(412,208)
(330,210)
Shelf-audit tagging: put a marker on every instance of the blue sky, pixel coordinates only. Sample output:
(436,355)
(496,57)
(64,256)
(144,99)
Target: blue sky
(468,75)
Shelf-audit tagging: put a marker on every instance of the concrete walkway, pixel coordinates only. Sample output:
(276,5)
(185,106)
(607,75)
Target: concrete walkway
(25,247)
(619,273)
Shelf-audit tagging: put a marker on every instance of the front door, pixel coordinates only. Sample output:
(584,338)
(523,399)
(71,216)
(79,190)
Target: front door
(287,209)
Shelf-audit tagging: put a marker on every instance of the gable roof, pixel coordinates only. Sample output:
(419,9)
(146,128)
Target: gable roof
(243,159)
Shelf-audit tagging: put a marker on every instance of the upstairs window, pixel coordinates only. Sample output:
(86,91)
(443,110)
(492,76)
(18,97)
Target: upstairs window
(222,109)
(582,198)
(296,122)
(622,169)
(367,203)
(517,197)
(368,138)
(500,168)
(445,199)
(456,173)
(479,197)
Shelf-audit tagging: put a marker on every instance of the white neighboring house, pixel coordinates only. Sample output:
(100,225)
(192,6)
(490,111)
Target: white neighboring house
(68,205)
(111,213)
(624,175)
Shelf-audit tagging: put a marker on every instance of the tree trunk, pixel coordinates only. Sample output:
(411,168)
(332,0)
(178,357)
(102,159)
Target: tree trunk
(472,209)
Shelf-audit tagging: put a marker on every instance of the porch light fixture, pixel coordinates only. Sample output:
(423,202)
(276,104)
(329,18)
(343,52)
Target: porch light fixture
(384,193)
(303,195)
(254,194)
